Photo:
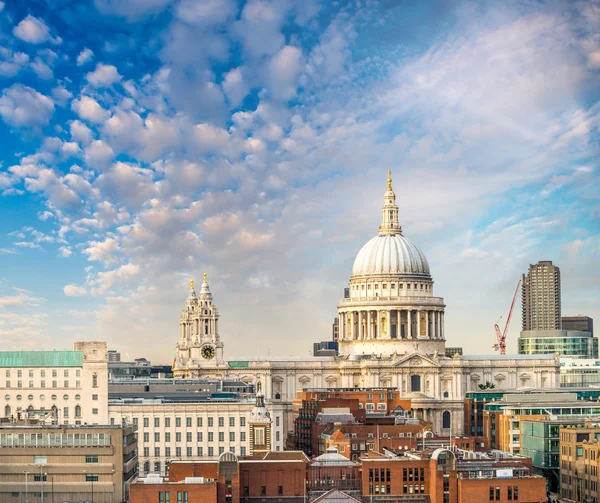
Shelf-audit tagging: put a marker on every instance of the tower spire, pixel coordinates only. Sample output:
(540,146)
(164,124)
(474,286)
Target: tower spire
(389,211)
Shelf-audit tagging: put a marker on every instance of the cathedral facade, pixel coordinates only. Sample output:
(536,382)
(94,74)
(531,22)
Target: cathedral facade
(391,335)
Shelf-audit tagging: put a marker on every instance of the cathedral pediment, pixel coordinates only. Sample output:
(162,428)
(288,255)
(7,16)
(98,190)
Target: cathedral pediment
(416,360)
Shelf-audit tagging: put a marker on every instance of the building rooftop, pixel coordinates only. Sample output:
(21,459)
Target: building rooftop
(28,359)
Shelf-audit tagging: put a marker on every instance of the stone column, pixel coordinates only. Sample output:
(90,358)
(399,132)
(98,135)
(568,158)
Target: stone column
(389,324)
(377,327)
(408,324)
(369,327)
(353,327)
(442,334)
(427,324)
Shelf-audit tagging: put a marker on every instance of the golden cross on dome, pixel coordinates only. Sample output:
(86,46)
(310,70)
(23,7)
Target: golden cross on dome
(389,180)
(205,277)
(192,284)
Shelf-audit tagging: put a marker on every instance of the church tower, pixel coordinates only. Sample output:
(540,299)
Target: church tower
(259,425)
(199,341)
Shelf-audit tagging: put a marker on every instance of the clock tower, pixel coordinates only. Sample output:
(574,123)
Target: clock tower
(199,341)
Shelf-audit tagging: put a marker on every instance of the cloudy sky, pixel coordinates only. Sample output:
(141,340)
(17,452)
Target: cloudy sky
(148,141)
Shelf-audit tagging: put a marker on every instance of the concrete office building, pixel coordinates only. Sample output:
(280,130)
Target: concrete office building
(541,297)
(579,372)
(564,342)
(579,323)
(71,387)
(66,463)
(183,426)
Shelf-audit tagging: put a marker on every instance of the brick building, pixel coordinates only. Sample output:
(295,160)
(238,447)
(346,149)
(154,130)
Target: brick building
(67,462)
(316,410)
(580,461)
(277,476)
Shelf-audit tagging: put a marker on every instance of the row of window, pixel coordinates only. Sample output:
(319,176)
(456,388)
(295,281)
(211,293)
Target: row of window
(8,384)
(55,373)
(379,474)
(41,398)
(199,436)
(512,493)
(189,452)
(165,497)
(199,422)
(423,286)
(8,411)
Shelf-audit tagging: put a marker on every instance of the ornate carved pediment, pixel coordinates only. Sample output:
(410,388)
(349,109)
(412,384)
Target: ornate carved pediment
(499,377)
(304,379)
(446,377)
(278,379)
(331,379)
(416,360)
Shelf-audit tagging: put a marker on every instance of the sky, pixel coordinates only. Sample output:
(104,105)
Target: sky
(145,142)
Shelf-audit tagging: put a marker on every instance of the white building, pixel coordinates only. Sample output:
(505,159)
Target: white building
(71,386)
(172,428)
(391,334)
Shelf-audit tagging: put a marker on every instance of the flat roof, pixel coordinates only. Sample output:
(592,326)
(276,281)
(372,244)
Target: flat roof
(25,359)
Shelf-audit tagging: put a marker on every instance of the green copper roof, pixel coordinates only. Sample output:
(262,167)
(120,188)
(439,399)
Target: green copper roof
(41,359)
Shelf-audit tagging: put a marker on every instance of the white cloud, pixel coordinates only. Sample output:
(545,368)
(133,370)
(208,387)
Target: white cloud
(260,26)
(84,56)
(284,70)
(11,63)
(80,132)
(103,251)
(41,69)
(203,13)
(235,87)
(21,299)
(33,30)
(98,154)
(131,9)
(28,244)
(89,109)
(103,76)
(74,291)
(54,187)
(61,95)
(125,275)
(22,106)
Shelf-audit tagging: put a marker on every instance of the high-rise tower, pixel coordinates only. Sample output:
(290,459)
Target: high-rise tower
(541,297)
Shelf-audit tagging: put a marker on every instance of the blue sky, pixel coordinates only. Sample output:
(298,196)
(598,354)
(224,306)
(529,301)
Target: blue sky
(148,141)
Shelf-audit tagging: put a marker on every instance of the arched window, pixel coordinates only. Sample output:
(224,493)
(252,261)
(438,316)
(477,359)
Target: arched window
(7,411)
(157,466)
(77,411)
(446,394)
(415,383)
(446,419)
(146,466)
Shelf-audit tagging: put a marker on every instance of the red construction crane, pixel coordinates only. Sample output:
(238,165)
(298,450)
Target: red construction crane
(501,336)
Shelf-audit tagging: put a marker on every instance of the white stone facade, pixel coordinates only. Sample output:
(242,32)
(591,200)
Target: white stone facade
(169,430)
(391,334)
(72,383)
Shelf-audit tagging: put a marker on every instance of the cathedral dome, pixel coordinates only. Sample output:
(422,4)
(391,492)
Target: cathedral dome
(390,254)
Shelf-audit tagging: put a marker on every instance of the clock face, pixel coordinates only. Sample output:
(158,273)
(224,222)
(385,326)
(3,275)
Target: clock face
(207,352)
